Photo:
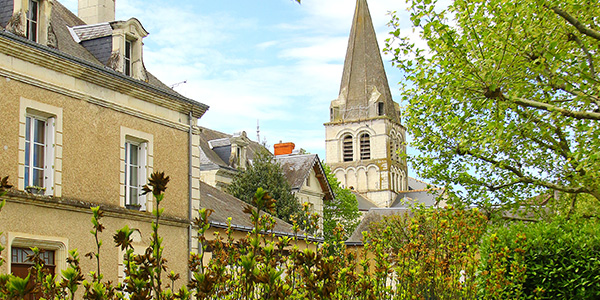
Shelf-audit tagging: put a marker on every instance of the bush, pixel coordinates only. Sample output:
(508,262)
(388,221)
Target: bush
(432,252)
(545,260)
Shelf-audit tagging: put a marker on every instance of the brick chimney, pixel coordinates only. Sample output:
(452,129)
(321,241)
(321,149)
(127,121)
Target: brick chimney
(284,148)
(96,11)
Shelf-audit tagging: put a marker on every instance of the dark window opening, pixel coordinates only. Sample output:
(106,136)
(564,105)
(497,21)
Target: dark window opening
(365,147)
(127,58)
(380,111)
(347,145)
(32,20)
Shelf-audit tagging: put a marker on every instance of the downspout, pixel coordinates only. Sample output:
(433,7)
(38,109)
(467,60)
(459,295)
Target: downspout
(190,179)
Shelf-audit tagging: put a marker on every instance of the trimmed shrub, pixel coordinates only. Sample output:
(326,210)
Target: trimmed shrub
(545,260)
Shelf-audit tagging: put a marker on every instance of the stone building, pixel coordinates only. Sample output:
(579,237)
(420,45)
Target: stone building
(306,177)
(84,124)
(364,137)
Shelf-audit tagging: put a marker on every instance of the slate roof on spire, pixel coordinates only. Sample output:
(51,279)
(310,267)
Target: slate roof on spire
(364,71)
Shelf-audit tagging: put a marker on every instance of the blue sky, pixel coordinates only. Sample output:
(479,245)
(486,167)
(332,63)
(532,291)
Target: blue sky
(270,60)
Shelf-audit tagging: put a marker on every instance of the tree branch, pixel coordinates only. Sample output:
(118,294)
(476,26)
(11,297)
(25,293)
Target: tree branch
(522,177)
(498,187)
(573,21)
(585,50)
(581,115)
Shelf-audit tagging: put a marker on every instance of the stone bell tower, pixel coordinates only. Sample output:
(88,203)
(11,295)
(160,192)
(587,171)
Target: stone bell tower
(364,137)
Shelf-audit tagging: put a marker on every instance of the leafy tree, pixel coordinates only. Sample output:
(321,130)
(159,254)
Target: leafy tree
(266,173)
(343,209)
(505,100)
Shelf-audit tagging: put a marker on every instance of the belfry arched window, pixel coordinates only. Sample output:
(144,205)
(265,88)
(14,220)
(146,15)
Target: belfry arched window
(365,146)
(347,147)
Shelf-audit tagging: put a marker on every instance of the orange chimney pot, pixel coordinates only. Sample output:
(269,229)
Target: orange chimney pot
(284,148)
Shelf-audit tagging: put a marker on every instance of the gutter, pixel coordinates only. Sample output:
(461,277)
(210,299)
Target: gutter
(190,181)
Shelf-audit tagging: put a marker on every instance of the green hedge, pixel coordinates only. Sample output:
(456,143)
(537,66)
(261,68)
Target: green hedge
(545,260)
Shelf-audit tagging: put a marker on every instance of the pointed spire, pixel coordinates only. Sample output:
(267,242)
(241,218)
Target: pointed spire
(364,91)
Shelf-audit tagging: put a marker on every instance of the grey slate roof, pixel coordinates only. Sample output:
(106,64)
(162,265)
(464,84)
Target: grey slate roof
(216,148)
(418,192)
(61,19)
(296,169)
(90,32)
(363,69)
(363,203)
(226,206)
(375,215)
(6,11)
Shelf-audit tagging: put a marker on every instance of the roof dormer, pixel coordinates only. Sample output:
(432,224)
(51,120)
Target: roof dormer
(31,19)
(116,44)
(127,46)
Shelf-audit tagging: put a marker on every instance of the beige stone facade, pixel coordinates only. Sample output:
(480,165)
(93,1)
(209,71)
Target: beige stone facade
(68,126)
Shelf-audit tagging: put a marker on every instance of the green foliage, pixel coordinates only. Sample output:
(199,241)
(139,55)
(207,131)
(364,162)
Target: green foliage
(342,210)
(266,173)
(503,97)
(433,252)
(544,260)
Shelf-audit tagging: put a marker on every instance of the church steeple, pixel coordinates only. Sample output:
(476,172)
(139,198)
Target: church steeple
(364,139)
(364,91)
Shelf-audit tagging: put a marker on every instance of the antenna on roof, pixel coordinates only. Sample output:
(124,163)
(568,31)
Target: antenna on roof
(257,131)
(177,84)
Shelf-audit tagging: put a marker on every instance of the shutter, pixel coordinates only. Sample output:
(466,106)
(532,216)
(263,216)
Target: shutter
(49,156)
(127,176)
(142,176)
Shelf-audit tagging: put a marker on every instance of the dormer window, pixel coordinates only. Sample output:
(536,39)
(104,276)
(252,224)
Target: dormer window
(127,58)
(30,19)
(33,16)
(127,46)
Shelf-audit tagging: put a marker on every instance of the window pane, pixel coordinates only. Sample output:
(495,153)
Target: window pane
(27,182)
(27,152)
(133,195)
(38,156)
(39,128)
(134,175)
(133,156)
(38,177)
(128,49)
(28,129)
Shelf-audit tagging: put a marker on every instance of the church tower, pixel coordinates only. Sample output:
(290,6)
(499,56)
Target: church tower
(364,137)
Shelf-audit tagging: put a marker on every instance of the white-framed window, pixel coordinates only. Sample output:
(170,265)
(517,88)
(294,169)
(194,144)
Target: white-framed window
(127,58)
(39,152)
(40,147)
(33,17)
(136,161)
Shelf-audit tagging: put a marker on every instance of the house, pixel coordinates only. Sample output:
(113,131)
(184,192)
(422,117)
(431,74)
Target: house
(227,209)
(84,124)
(306,177)
(223,155)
